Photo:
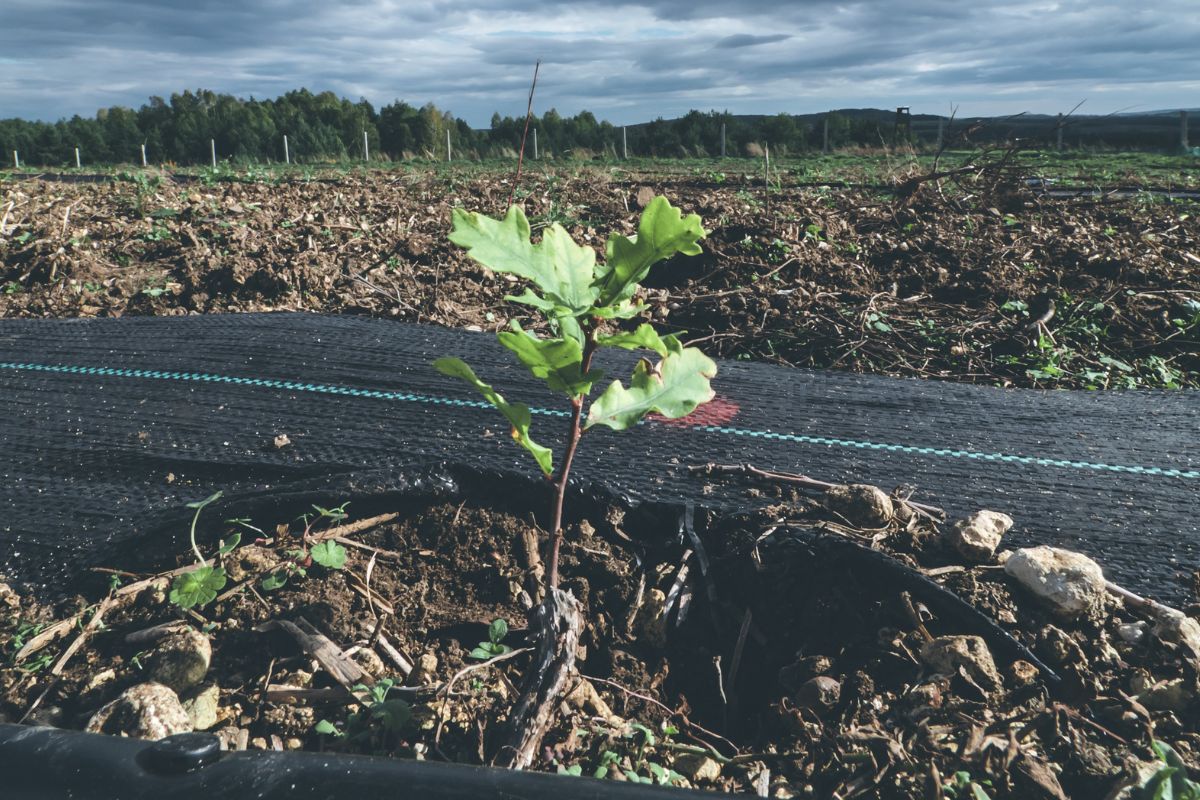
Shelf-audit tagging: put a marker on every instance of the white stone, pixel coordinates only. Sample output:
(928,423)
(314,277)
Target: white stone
(1070,583)
(977,537)
(947,653)
(146,711)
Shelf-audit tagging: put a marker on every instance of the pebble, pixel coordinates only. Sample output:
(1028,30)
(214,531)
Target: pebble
(861,504)
(977,537)
(1132,632)
(202,705)
(146,711)
(698,768)
(820,693)
(1070,583)
(650,624)
(947,653)
(181,660)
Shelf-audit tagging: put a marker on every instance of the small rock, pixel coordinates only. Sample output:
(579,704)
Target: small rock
(146,711)
(1182,630)
(1057,646)
(1133,632)
(1170,695)
(820,693)
(8,598)
(698,768)
(977,537)
(861,504)
(644,196)
(181,660)
(1022,674)
(947,653)
(369,660)
(293,744)
(99,680)
(923,698)
(794,675)
(201,706)
(424,670)
(259,743)
(281,441)
(1070,583)
(650,624)
(585,698)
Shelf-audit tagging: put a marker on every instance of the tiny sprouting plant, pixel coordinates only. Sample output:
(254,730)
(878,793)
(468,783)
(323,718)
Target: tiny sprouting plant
(494,646)
(581,299)
(1170,781)
(963,787)
(327,553)
(379,717)
(198,587)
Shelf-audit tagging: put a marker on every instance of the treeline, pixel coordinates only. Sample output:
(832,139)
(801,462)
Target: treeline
(324,127)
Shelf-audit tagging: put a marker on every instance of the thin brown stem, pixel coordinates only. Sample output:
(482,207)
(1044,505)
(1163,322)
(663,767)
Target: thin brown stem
(574,431)
(528,113)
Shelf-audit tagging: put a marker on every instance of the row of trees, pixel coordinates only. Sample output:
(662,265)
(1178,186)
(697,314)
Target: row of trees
(324,127)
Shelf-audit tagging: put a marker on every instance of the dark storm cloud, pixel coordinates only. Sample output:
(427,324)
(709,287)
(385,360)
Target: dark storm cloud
(626,62)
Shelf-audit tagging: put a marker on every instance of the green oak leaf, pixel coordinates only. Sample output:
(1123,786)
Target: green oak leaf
(673,388)
(517,414)
(645,336)
(329,554)
(561,268)
(662,232)
(562,319)
(556,361)
(198,587)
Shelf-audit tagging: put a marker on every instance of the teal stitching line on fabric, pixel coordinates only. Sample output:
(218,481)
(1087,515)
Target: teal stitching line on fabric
(350,391)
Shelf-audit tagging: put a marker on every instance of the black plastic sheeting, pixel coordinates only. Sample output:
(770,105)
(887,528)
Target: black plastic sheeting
(108,427)
(48,764)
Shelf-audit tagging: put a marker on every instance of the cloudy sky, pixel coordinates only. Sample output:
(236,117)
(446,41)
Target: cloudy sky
(627,62)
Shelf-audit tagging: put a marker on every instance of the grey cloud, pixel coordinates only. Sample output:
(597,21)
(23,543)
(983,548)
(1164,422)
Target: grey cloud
(749,40)
(633,61)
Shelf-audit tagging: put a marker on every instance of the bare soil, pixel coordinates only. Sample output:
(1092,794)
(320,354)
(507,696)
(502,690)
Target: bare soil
(755,662)
(941,284)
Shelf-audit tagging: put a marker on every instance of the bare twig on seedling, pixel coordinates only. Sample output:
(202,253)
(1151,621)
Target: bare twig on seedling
(528,113)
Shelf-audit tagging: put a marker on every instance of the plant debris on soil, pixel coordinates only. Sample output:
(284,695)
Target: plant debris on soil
(845,642)
(985,283)
(747,654)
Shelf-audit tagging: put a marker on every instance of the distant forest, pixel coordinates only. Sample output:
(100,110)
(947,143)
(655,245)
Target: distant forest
(324,127)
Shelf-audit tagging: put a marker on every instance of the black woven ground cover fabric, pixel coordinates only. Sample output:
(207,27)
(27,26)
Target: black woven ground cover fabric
(108,427)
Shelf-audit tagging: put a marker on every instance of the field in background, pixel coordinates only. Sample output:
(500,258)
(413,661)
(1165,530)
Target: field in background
(828,262)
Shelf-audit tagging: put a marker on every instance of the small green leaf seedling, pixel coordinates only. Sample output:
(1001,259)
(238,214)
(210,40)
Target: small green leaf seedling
(580,299)
(494,646)
(1170,781)
(198,587)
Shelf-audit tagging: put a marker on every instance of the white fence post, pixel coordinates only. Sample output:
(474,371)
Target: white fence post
(535,150)
(624,143)
(287,156)
(449,154)
(16,160)
(366,148)
(77,165)
(212,147)
(143,155)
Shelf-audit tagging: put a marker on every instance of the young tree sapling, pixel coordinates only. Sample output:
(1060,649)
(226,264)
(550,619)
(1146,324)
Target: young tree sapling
(581,300)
